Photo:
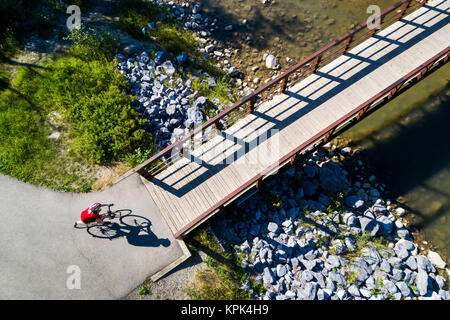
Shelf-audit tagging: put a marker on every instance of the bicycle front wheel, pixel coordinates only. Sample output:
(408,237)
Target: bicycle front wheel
(121,213)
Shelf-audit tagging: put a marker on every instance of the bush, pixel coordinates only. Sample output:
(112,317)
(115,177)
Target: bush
(104,125)
(99,124)
(135,14)
(220,280)
(61,5)
(139,156)
(89,44)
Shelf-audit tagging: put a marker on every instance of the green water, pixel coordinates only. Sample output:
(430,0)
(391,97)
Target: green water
(406,141)
(291,28)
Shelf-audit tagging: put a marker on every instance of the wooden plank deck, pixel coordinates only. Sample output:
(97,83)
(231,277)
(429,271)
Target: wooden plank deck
(186,189)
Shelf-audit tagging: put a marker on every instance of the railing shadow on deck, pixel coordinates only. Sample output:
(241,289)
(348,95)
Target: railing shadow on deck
(312,63)
(211,170)
(291,94)
(312,103)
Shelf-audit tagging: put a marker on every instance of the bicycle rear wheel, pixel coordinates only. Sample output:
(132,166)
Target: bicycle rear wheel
(104,231)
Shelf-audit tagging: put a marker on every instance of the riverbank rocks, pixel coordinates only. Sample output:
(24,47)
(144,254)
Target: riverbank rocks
(302,241)
(271,61)
(330,177)
(314,231)
(436,260)
(165,99)
(355,201)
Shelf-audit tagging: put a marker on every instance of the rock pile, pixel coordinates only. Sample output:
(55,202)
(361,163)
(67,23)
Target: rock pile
(190,15)
(165,99)
(313,237)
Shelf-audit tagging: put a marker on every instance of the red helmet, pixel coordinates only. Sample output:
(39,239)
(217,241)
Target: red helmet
(95,207)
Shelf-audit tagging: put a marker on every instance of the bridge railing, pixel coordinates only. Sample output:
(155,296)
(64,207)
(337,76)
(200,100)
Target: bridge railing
(332,131)
(278,85)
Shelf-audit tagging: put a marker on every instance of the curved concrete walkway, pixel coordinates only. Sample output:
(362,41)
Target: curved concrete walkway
(41,253)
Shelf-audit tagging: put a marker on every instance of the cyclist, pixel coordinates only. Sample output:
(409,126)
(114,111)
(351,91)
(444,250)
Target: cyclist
(92,214)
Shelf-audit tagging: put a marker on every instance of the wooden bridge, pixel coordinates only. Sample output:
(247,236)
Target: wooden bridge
(306,106)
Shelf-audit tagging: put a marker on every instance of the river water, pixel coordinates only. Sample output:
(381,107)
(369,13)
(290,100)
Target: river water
(406,141)
(291,28)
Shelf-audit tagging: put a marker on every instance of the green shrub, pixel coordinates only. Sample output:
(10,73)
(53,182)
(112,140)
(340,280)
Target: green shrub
(363,239)
(135,14)
(98,125)
(89,44)
(10,17)
(8,44)
(139,155)
(104,125)
(223,275)
(61,5)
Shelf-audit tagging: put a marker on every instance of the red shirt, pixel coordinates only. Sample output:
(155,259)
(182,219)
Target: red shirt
(86,217)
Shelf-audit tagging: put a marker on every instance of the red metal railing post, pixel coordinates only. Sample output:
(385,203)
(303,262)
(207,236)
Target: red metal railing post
(251,104)
(328,135)
(258,183)
(311,63)
(403,10)
(292,159)
(347,42)
(421,2)
(315,64)
(284,84)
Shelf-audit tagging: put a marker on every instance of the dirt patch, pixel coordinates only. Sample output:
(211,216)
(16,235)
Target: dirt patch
(106,176)
(174,284)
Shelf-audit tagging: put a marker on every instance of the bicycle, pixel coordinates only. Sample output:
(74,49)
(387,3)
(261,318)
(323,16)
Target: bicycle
(109,215)
(128,224)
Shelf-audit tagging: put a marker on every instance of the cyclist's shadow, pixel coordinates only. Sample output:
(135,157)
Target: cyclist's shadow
(136,229)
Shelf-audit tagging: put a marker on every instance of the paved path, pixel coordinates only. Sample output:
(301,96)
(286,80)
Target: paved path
(39,244)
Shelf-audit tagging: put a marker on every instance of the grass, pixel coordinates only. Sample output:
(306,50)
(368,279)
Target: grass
(144,288)
(61,5)
(273,201)
(83,99)
(225,91)
(375,291)
(135,14)
(363,239)
(336,201)
(222,277)
(351,277)
(88,44)
(25,152)
(9,45)
(140,155)
(321,241)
